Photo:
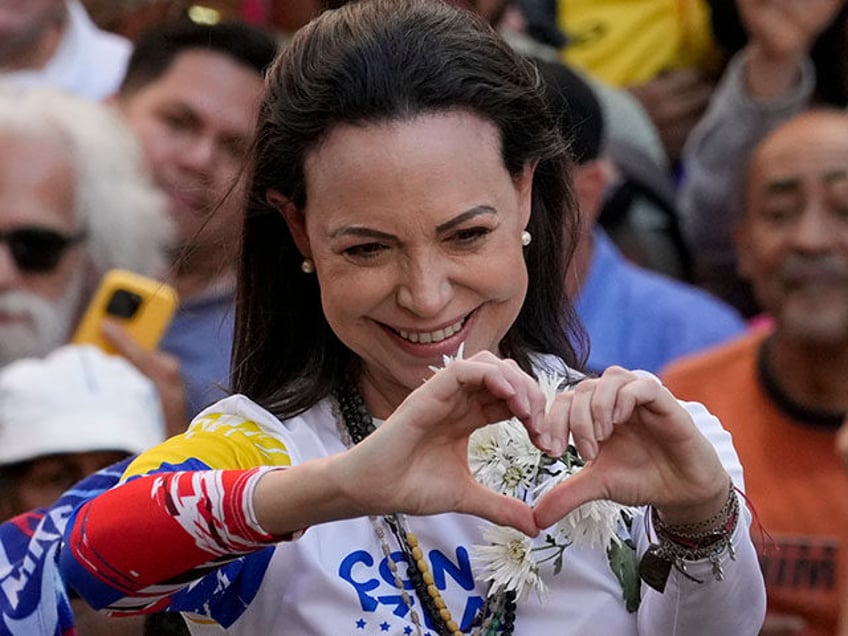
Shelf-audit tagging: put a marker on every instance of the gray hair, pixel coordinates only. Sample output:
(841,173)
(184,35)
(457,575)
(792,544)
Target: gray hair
(117,204)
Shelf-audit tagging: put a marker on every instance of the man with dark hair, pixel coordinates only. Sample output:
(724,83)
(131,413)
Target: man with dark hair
(634,317)
(157,50)
(191,93)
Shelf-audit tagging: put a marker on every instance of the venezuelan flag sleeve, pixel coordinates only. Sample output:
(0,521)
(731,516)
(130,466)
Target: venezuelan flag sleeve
(194,494)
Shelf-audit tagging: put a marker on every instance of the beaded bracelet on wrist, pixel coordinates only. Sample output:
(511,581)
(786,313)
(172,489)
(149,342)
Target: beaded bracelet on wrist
(681,543)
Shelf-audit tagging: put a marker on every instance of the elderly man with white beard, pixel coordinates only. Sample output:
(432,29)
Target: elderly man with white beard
(76,200)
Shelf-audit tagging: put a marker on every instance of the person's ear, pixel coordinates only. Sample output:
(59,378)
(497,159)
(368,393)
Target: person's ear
(590,183)
(294,219)
(524,186)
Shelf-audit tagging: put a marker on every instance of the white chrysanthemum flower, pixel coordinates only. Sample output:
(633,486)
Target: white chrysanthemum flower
(509,563)
(594,524)
(515,437)
(502,458)
(550,384)
(486,457)
(446,359)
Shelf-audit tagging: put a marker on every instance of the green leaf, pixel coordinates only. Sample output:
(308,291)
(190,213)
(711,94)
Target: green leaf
(625,566)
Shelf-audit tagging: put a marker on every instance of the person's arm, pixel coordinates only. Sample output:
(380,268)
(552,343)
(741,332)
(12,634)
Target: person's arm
(130,548)
(709,196)
(649,448)
(169,493)
(733,605)
(38,601)
(201,519)
(766,83)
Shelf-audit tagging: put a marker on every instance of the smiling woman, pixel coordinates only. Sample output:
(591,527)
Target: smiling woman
(408,219)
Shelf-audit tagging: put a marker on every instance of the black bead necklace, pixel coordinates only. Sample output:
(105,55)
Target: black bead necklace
(496,617)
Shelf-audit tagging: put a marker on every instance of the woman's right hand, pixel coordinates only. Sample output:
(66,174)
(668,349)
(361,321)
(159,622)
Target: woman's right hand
(417,461)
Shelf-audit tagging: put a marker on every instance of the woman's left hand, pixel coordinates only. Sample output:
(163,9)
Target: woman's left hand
(642,448)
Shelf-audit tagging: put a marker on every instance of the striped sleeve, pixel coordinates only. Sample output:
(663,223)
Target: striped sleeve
(183,510)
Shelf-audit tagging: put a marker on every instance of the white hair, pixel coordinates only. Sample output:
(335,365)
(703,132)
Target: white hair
(118,205)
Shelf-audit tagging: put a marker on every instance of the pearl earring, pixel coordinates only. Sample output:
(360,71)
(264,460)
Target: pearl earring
(526,237)
(307,266)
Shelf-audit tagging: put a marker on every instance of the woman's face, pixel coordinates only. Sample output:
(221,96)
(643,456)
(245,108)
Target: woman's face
(415,231)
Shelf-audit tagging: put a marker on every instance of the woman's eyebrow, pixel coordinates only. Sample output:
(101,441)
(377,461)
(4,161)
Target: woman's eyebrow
(465,216)
(361,231)
(367,232)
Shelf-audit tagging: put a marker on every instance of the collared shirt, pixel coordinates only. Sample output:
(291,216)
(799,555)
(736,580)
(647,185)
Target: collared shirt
(640,319)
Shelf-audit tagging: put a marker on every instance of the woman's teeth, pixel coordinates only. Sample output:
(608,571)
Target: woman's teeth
(427,337)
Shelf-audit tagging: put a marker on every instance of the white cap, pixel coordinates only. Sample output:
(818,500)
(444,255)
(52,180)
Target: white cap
(77,399)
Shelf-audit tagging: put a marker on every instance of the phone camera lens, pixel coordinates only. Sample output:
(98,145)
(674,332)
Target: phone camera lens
(123,304)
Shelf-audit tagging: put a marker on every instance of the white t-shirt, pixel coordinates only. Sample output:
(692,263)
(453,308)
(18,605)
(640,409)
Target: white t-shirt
(334,579)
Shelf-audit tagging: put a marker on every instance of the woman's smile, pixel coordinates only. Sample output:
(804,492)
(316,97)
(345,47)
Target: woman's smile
(432,344)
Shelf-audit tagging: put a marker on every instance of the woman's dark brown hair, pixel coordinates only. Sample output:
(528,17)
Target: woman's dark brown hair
(373,62)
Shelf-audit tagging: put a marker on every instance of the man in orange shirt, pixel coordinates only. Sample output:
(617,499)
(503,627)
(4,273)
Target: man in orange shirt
(781,390)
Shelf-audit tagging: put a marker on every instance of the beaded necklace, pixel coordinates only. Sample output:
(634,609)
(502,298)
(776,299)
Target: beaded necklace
(497,616)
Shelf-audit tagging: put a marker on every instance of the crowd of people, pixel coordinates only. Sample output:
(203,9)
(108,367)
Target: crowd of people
(495,317)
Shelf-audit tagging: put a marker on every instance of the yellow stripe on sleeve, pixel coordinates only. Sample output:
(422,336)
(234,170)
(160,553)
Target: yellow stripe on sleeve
(217,441)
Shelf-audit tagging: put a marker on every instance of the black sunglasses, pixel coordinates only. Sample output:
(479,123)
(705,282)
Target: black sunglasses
(38,249)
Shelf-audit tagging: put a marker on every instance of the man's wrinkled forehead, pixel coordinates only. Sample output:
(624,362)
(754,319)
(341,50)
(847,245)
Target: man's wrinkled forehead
(811,147)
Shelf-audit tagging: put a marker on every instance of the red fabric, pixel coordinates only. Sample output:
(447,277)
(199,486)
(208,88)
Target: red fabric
(181,511)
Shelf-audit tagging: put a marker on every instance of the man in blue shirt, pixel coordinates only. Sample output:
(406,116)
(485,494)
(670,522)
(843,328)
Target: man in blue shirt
(635,317)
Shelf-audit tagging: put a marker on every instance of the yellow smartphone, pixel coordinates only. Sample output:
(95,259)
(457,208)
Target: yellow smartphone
(141,305)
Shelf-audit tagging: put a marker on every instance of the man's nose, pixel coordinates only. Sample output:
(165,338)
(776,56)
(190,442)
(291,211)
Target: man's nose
(814,231)
(200,153)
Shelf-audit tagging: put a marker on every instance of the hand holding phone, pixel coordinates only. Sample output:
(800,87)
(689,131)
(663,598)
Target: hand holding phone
(143,306)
